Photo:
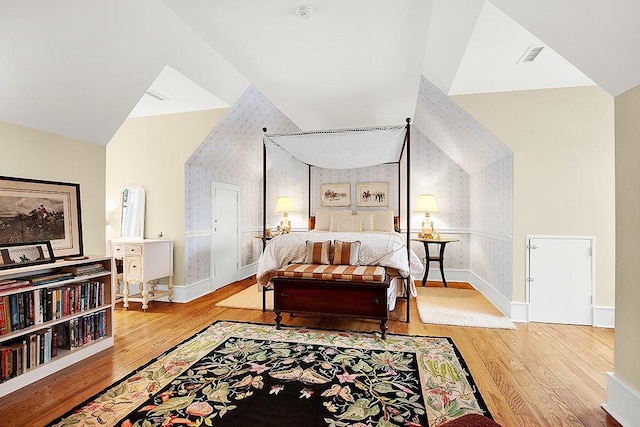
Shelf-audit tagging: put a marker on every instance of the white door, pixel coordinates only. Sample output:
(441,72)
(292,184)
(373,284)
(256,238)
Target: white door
(224,234)
(560,280)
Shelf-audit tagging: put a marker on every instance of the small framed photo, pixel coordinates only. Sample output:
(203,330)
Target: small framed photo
(372,194)
(14,255)
(34,211)
(336,194)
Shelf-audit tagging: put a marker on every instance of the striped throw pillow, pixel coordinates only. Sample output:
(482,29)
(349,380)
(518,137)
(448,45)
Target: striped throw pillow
(346,253)
(317,252)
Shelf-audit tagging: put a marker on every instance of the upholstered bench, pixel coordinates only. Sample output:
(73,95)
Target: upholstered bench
(332,290)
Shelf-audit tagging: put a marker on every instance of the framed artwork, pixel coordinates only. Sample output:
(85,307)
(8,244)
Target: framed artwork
(36,211)
(336,194)
(14,255)
(372,194)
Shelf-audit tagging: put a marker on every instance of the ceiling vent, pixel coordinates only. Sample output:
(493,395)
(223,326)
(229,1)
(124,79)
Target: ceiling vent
(156,95)
(530,54)
(304,11)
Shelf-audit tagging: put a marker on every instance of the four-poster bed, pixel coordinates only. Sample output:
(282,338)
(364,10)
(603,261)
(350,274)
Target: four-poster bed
(348,264)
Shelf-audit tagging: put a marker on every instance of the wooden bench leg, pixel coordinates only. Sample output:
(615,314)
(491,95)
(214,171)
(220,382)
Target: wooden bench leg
(383,328)
(278,319)
(264,299)
(265,289)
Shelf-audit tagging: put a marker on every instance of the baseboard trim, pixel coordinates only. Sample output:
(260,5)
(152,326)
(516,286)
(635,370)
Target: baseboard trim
(451,275)
(491,294)
(186,293)
(517,312)
(520,312)
(247,271)
(603,317)
(622,401)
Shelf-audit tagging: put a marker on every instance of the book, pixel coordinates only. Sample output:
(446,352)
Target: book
(21,315)
(7,285)
(50,278)
(4,373)
(32,350)
(14,312)
(85,270)
(3,322)
(48,305)
(47,345)
(7,314)
(54,344)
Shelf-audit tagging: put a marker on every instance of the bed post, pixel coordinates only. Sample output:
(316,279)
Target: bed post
(408,138)
(400,188)
(407,285)
(264,190)
(309,199)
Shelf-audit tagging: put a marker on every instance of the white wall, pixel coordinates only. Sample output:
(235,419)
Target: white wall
(29,153)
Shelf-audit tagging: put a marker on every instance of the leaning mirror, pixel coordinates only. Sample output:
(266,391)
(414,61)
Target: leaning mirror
(132,221)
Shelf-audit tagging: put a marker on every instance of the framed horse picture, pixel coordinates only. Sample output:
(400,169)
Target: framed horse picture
(372,194)
(337,194)
(33,210)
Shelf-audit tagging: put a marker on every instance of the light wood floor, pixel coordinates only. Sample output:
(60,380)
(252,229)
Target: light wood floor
(537,375)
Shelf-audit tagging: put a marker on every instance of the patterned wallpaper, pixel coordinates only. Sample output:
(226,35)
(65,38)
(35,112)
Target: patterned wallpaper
(458,135)
(231,154)
(491,201)
(453,157)
(491,213)
(382,173)
(486,208)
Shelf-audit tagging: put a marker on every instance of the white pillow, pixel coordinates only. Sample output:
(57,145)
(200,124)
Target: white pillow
(323,218)
(382,220)
(367,220)
(343,223)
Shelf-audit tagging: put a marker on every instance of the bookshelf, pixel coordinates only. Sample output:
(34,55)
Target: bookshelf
(71,317)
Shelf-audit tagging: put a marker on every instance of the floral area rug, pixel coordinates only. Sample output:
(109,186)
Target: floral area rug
(242,374)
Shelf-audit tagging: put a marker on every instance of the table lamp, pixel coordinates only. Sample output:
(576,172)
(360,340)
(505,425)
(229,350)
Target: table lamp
(284,206)
(427,204)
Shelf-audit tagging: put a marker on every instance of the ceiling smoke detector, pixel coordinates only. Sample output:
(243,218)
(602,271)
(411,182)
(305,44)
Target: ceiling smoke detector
(304,11)
(530,54)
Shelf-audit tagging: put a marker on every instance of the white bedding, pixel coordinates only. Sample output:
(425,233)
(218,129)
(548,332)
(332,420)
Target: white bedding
(386,249)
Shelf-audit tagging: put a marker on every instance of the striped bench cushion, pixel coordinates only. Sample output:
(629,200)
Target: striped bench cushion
(354,273)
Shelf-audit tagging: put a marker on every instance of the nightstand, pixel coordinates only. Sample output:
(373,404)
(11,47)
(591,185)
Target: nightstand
(439,258)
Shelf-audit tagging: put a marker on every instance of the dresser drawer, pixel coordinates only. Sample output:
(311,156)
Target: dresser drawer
(132,268)
(133,249)
(118,250)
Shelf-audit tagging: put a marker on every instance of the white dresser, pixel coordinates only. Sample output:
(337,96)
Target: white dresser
(144,261)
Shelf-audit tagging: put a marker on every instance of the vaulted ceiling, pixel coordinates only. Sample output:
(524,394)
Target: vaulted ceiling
(79,68)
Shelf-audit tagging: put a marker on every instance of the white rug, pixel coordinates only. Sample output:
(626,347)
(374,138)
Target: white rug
(459,307)
(250,298)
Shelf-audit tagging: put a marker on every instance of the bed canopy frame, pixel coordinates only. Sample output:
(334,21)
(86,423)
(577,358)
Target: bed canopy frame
(374,146)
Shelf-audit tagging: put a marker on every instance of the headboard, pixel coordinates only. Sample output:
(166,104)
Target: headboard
(396,223)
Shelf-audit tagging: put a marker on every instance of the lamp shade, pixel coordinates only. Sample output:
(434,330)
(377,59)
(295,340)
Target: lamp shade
(427,203)
(284,205)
